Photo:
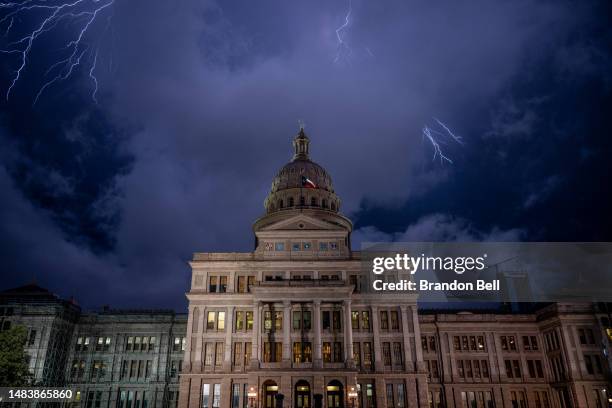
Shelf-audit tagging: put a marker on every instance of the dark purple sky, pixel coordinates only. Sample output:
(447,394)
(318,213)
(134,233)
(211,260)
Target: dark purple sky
(198,102)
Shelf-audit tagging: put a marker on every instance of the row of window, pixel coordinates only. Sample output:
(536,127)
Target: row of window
(100,343)
(140,343)
(469,343)
(218,284)
(133,399)
(470,369)
(313,203)
(136,369)
(301,246)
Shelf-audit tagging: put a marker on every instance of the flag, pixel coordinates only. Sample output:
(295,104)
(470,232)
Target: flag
(308,183)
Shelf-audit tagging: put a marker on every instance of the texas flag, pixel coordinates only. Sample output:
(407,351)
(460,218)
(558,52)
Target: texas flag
(308,183)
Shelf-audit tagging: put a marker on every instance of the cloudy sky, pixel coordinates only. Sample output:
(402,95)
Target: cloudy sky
(106,193)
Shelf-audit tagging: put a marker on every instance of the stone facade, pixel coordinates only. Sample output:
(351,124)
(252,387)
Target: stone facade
(292,318)
(115,358)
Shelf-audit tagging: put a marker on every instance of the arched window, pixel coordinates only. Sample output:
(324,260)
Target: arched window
(313,201)
(324,203)
(333,206)
(290,202)
(270,389)
(280,204)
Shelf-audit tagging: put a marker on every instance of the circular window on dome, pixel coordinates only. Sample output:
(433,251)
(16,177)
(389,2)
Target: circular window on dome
(300,225)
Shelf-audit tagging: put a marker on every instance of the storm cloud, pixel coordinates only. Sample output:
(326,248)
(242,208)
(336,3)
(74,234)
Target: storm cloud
(198,103)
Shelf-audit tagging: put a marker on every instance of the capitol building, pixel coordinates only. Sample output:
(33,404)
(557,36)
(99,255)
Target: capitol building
(290,324)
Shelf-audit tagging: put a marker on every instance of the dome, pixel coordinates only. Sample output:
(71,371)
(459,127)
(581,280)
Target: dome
(301,182)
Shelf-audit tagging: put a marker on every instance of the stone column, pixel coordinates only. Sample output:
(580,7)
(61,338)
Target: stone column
(408,362)
(286,334)
(378,358)
(318,359)
(255,348)
(229,319)
(348,334)
(187,358)
(420,365)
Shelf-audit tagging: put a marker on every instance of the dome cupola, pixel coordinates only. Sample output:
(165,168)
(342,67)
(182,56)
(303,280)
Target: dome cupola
(302,183)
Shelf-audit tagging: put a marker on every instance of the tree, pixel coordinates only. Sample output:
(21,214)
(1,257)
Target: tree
(14,370)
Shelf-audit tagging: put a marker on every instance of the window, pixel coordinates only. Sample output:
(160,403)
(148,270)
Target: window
(209,354)
(239,321)
(355,320)
(397,353)
(98,370)
(432,368)
(365,320)
(384,320)
(356,354)
(179,344)
(220,320)
(401,396)
(237,358)
(337,357)
(216,395)
(210,320)
(484,365)
(273,352)
(215,320)
(508,343)
(242,287)
(326,320)
(205,395)
(295,246)
(530,343)
(219,354)
(336,318)
(302,352)
(212,286)
(273,320)
(394,320)
(390,401)
(235,395)
(32,337)
(367,355)
(322,246)
(247,353)
(279,246)
(302,320)
(481,343)
(513,368)
(326,351)
(249,321)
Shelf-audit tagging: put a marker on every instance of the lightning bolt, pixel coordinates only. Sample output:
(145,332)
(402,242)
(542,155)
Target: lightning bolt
(436,137)
(84,14)
(343,51)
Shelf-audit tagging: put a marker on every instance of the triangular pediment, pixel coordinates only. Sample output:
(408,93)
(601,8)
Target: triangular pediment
(301,222)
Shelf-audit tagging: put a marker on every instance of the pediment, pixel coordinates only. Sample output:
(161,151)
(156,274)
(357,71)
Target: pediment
(301,222)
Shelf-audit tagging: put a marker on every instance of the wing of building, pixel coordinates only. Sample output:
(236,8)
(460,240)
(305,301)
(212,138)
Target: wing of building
(289,323)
